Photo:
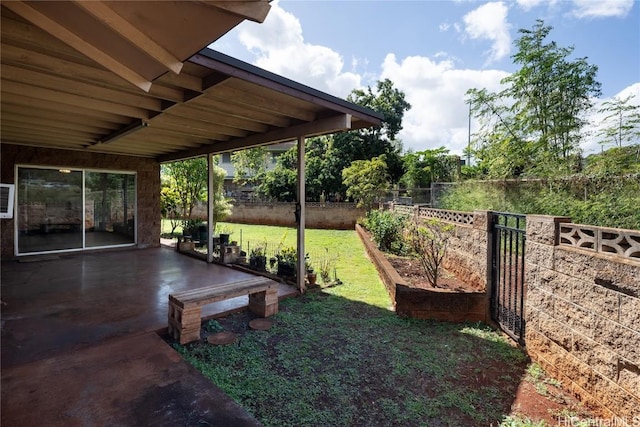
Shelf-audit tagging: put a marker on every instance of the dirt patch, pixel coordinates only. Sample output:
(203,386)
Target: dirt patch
(412,271)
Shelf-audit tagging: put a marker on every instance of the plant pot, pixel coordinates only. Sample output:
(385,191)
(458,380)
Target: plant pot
(258,262)
(224,239)
(186,246)
(312,278)
(286,270)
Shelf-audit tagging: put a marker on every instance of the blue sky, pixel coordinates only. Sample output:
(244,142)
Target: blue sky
(435,50)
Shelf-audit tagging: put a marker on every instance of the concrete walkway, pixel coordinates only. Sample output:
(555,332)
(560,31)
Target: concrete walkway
(79,341)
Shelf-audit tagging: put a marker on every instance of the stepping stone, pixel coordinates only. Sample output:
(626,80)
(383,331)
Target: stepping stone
(261,324)
(222,338)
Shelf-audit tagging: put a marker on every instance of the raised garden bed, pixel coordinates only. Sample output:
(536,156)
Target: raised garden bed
(458,303)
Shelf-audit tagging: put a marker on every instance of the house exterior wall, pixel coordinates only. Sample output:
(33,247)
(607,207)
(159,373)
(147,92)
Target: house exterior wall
(147,181)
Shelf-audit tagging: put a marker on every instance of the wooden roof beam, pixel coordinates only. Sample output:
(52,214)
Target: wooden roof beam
(324,126)
(123,27)
(132,127)
(73,40)
(253,10)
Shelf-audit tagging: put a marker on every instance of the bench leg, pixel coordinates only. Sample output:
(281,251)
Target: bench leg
(264,304)
(184,323)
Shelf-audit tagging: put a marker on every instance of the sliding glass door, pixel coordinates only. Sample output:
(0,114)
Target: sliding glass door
(69,209)
(110,208)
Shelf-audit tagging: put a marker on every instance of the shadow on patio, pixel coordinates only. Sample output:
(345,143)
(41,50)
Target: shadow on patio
(79,342)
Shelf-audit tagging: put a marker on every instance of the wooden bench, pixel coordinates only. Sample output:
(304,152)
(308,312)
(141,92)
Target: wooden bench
(185,308)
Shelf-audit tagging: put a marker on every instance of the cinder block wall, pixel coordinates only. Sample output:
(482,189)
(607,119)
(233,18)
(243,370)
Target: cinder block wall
(148,184)
(583,319)
(469,247)
(469,250)
(335,216)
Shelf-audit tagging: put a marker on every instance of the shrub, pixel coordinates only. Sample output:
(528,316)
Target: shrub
(429,241)
(386,230)
(327,264)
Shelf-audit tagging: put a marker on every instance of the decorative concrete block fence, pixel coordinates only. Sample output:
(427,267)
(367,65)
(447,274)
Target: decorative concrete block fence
(583,311)
(582,301)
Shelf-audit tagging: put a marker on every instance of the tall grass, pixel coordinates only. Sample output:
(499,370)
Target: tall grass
(600,201)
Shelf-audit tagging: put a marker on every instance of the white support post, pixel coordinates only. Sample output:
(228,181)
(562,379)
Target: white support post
(300,215)
(210,198)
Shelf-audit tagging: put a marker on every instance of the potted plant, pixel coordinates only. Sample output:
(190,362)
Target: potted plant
(190,233)
(258,259)
(312,277)
(287,261)
(191,227)
(225,233)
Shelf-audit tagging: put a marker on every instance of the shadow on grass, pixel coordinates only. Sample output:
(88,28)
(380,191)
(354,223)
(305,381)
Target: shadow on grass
(332,361)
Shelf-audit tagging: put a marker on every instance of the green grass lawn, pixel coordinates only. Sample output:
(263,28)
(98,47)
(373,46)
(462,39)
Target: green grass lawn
(340,357)
(361,281)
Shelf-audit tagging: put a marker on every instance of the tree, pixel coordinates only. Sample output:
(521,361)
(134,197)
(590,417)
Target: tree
(189,177)
(281,182)
(366,180)
(170,204)
(622,121)
(221,205)
(534,123)
(327,156)
(424,167)
(500,146)
(430,241)
(367,143)
(249,165)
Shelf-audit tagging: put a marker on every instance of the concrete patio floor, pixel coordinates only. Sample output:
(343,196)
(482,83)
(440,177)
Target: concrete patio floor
(80,343)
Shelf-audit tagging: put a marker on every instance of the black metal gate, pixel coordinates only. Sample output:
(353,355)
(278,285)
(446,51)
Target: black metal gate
(507,276)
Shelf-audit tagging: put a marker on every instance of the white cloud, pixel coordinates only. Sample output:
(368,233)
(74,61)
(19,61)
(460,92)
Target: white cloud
(530,4)
(602,8)
(436,91)
(489,22)
(280,48)
(433,85)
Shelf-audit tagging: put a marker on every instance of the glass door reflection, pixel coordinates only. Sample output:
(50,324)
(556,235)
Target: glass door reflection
(109,208)
(49,209)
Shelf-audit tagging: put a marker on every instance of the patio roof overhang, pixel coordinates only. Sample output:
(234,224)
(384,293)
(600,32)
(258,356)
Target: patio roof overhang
(66,82)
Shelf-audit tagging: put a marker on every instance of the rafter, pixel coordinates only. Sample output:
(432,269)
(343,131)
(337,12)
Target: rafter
(65,85)
(71,99)
(57,30)
(123,27)
(322,126)
(256,10)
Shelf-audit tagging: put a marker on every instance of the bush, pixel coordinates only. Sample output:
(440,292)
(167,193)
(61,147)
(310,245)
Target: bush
(429,241)
(386,230)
